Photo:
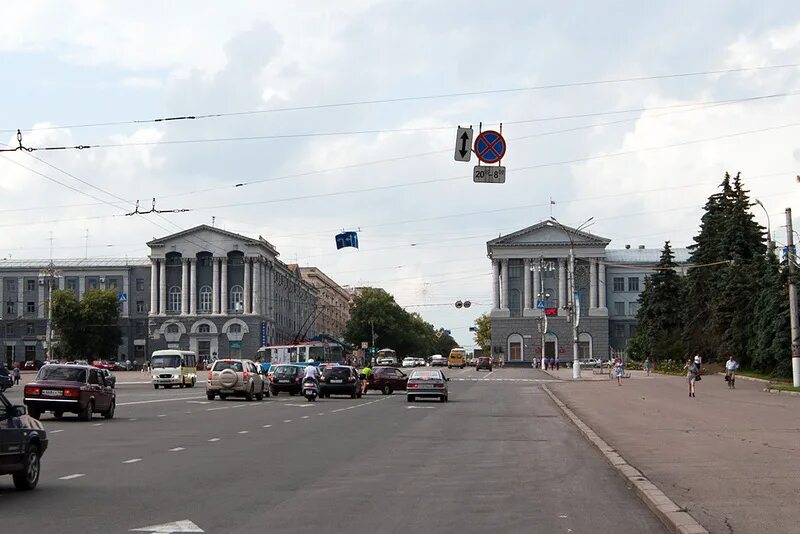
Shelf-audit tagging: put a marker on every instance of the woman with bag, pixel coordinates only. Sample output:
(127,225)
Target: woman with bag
(692,375)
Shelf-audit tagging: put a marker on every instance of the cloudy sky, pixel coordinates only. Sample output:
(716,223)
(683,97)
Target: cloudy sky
(640,157)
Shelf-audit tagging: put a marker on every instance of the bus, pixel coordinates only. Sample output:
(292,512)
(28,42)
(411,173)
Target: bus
(173,368)
(457,358)
(302,352)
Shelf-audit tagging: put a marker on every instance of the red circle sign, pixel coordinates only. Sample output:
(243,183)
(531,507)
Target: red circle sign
(490,147)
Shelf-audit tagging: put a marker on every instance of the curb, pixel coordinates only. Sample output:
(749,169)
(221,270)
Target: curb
(781,392)
(676,520)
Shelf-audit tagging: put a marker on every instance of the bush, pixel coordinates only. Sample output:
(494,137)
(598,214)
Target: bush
(670,367)
(632,365)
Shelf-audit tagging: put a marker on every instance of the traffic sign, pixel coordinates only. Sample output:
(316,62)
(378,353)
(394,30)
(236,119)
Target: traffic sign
(490,147)
(539,304)
(483,174)
(463,144)
(123,297)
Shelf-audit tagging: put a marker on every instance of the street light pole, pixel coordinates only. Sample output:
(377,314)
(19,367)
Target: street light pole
(49,274)
(770,242)
(790,257)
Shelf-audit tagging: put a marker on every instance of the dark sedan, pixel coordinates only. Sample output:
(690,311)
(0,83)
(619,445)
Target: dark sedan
(285,377)
(79,389)
(340,380)
(387,379)
(22,444)
(484,362)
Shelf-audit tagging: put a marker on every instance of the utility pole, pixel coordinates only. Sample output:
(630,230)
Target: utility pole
(790,257)
(372,327)
(49,274)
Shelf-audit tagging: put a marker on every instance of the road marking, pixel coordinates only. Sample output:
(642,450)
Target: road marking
(98,424)
(197,402)
(304,417)
(162,415)
(267,426)
(212,440)
(133,419)
(487,376)
(156,400)
(177,449)
(287,420)
(178,526)
(320,413)
(132,461)
(218,408)
(420,407)
(56,431)
(240,406)
(299,405)
(70,477)
(243,431)
(339,410)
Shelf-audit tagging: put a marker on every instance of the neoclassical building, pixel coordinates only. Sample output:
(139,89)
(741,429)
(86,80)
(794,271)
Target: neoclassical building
(333,302)
(219,293)
(530,283)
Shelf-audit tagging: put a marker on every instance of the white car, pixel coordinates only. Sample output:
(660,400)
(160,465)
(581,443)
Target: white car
(409,362)
(420,362)
(437,360)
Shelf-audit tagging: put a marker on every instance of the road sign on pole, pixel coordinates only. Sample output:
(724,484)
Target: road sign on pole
(463,144)
(123,297)
(490,147)
(539,304)
(482,174)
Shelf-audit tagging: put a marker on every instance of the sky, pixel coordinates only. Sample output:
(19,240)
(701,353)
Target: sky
(336,137)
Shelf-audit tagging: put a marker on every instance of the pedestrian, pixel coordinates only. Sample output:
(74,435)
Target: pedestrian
(697,362)
(647,366)
(691,375)
(619,370)
(15,373)
(557,362)
(730,372)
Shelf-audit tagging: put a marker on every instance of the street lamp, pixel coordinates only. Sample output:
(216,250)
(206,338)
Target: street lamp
(573,310)
(49,273)
(770,242)
(542,296)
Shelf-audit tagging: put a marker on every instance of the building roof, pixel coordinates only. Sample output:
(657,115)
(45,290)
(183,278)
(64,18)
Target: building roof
(649,256)
(195,229)
(74,263)
(547,233)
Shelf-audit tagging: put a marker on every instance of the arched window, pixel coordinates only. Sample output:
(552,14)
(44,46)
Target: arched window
(235,328)
(237,298)
(203,329)
(205,299)
(172,329)
(174,299)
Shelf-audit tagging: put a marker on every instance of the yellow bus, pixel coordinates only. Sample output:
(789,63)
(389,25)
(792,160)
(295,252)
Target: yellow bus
(457,358)
(173,368)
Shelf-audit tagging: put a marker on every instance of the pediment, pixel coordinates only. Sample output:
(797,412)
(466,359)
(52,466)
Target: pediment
(211,239)
(548,233)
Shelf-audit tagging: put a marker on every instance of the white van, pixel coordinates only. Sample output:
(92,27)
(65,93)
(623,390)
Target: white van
(173,368)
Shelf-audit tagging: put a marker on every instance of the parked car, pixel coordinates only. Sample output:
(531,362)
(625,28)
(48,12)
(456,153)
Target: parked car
(286,377)
(340,380)
(409,362)
(5,378)
(437,360)
(79,389)
(103,364)
(30,365)
(484,362)
(231,377)
(23,441)
(387,379)
(427,383)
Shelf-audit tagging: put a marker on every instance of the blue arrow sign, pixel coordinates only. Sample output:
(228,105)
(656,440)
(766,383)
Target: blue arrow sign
(540,304)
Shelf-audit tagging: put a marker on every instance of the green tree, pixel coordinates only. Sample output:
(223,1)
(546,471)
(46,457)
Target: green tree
(771,340)
(89,328)
(483,333)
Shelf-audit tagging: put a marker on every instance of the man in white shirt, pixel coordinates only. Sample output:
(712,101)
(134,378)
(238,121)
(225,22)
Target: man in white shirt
(730,372)
(311,372)
(697,361)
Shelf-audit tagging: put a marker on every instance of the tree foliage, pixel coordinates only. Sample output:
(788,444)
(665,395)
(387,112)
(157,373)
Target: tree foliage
(483,333)
(88,329)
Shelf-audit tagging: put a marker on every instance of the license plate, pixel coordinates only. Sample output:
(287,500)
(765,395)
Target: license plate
(51,393)
(337,381)
(425,386)
(226,391)
(309,391)
(284,381)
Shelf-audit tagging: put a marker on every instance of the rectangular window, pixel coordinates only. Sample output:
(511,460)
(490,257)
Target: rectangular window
(29,329)
(139,328)
(10,330)
(140,284)
(632,330)
(619,330)
(619,308)
(71,284)
(30,284)
(633,283)
(112,283)
(139,306)
(11,285)
(10,307)
(633,308)
(619,284)
(30,307)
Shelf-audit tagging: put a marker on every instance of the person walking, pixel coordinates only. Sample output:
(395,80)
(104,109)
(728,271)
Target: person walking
(558,362)
(730,372)
(647,366)
(691,375)
(15,373)
(619,370)
(697,362)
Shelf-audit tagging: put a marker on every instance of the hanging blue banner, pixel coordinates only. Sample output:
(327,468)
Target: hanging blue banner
(263,333)
(346,239)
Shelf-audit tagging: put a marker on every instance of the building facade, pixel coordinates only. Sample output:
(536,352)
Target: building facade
(333,303)
(530,273)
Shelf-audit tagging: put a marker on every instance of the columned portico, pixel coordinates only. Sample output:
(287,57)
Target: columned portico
(162,286)
(224,289)
(248,287)
(215,286)
(504,293)
(562,287)
(193,286)
(153,286)
(496,283)
(184,286)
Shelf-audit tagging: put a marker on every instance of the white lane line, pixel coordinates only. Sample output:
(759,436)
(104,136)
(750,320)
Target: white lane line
(177,449)
(70,477)
(487,376)
(304,417)
(339,410)
(56,431)
(162,415)
(133,419)
(240,406)
(157,400)
(287,420)
(197,402)
(215,409)
(212,440)
(98,424)
(320,413)
(267,426)
(140,383)
(244,431)
(132,461)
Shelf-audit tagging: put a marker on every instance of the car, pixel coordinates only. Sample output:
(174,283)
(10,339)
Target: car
(286,377)
(387,380)
(471,362)
(427,383)
(5,378)
(30,365)
(23,441)
(235,377)
(103,364)
(339,380)
(484,362)
(420,362)
(410,362)
(437,360)
(111,380)
(79,389)
(385,360)
(457,358)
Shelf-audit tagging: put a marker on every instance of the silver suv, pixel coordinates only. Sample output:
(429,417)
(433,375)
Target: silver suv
(236,377)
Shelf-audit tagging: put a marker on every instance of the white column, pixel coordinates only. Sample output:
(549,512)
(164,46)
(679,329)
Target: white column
(537,286)
(270,298)
(602,285)
(592,283)
(162,287)
(40,302)
(184,286)
(126,288)
(223,291)
(215,286)
(562,284)
(20,297)
(153,286)
(248,286)
(496,283)
(257,280)
(193,286)
(504,293)
(526,274)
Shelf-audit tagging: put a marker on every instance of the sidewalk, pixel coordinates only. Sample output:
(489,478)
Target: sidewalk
(732,458)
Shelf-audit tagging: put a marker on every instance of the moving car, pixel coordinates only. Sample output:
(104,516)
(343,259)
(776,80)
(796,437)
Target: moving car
(286,377)
(22,444)
(457,358)
(437,360)
(387,379)
(410,362)
(427,383)
(484,362)
(421,362)
(173,368)
(340,380)
(111,380)
(79,389)
(228,378)
(471,361)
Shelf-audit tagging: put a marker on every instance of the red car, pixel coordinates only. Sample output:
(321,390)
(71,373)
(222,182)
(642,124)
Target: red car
(387,379)
(103,364)
(79,389)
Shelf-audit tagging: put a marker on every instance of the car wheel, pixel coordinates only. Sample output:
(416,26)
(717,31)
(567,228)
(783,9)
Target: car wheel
(274,392)
(223,396)
(155,386)
(111,409)
(443,399)
(86,413)
(292,393)
(249,395)
(354,394)
(260,395)
(194,381)
(210,396)
(387,390)
(28,478)
(34,412)
(358,394)
(58,415)
(411,398)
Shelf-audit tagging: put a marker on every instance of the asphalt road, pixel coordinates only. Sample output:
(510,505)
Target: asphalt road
(499,456)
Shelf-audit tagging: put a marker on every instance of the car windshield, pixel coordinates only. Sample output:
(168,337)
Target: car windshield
(67,374)
(424,374)
(336,372)
(166,361)
(222,365)
(285,370)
